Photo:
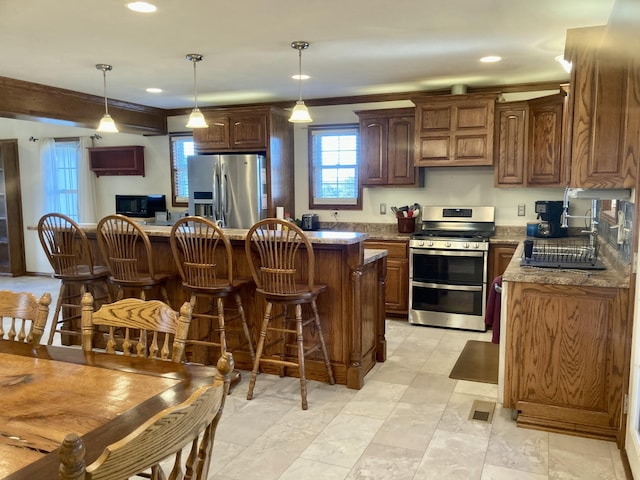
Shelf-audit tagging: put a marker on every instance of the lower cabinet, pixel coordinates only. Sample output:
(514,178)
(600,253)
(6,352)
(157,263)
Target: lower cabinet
(565,357)
(500,255)
(397,284)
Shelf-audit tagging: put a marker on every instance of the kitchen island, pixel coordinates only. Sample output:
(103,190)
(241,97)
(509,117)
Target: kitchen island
(351,309)
(564,353)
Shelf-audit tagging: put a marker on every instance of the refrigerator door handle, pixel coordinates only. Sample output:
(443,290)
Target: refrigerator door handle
(224,197)
(216,193)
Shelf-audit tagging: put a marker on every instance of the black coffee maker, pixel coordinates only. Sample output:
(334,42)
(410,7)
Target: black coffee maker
(550,214)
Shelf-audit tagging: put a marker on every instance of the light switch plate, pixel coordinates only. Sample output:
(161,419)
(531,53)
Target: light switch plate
(521,209)
(383,209)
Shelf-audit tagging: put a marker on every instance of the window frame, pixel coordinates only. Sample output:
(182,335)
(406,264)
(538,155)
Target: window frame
(175,202)
(312,170)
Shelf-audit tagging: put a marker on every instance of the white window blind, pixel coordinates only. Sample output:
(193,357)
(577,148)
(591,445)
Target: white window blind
(181,148)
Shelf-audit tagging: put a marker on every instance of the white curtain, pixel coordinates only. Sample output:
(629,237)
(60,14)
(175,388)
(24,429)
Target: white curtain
(87,185)
(51,201)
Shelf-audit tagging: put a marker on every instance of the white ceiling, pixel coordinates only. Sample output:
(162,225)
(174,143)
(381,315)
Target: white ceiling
(358,47)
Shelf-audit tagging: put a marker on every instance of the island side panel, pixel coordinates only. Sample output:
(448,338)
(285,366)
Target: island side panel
(334,266)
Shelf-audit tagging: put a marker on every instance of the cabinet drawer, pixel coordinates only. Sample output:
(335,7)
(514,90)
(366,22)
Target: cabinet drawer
(394,249)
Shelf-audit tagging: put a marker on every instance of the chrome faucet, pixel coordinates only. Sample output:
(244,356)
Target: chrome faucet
(593,228)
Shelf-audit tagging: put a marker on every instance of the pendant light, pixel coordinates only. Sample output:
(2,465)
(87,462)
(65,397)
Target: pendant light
(300,113)
(196,119)
(106,122)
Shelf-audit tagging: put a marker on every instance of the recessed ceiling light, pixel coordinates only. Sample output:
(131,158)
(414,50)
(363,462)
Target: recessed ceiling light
(490,59)
(141,7)
(154,90)
(300,77)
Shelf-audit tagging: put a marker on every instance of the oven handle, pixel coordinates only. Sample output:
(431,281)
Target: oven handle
(440,286)
(449,253)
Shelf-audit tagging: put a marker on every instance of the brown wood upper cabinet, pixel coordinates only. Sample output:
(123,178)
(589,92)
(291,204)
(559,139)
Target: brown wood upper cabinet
(386,147)
(119,160)
(454,130)
(262,129)
(605,110)
(233,129)
(529,143)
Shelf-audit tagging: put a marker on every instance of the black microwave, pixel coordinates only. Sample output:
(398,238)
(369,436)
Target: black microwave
(142,206)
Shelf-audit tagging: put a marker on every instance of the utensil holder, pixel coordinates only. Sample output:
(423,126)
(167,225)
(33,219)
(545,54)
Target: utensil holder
(406,224)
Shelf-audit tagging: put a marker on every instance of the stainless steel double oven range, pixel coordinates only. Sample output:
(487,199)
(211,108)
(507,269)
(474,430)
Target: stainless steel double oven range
(448,267)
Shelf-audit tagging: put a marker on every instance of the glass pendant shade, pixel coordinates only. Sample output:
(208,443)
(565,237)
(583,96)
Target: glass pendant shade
(107,124)
(196,119)
(300,113)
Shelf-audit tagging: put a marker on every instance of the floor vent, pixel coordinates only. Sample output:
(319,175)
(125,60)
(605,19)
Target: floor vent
(482,411)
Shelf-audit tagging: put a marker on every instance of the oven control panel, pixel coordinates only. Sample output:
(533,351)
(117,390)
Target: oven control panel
(448,244)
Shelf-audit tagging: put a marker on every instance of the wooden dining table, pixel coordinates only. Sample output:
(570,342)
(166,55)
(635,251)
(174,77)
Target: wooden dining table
(47,392)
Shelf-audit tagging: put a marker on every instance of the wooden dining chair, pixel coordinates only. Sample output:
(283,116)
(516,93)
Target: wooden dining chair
(204,258)
(126,250)
(179,438)
(70,255)
(282,264)
(135,327)
(23,318)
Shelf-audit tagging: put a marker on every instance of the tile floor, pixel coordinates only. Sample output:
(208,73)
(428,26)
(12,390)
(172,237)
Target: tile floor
(409,421)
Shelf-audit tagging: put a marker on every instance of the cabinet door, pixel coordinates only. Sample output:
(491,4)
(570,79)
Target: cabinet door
(511,143)
(545,157)
(604,154)
(397,283)
(499,258)
(248,131)
(454,131)
(216,136)
(373,151)
(12,259)
(565,357)
(400,163)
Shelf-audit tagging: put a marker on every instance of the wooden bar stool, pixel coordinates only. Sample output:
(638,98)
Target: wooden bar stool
(69,253)
(204,258)
(126,250)
(285,277)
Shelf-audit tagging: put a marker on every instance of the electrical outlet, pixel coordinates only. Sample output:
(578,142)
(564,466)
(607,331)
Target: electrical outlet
(383,209)
(521,209)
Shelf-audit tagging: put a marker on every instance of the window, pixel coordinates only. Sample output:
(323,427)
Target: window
(333,167)
(181,148)
(62,185)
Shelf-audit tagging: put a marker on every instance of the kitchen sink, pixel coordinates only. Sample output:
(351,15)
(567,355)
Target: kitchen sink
(579,257)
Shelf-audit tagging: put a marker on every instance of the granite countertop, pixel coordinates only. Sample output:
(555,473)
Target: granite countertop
(373,254)
(326,237)
(616,274)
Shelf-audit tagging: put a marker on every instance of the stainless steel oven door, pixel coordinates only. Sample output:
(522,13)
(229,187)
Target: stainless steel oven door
(448,288)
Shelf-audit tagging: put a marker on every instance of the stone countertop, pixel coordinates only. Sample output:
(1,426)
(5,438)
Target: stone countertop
(616,274)
(373,254)
(326,237)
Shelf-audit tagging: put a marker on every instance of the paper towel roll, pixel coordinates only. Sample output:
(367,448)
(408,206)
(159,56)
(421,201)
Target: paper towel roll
(280,212)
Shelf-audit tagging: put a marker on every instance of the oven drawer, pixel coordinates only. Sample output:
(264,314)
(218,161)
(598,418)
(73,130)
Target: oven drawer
(465,300)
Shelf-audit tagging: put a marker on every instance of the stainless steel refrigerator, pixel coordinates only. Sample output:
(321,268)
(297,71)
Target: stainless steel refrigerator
(228,188)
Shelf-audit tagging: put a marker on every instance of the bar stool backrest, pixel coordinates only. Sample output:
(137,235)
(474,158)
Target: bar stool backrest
(65,244)
(279,266)
(122,243)
(199,247)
